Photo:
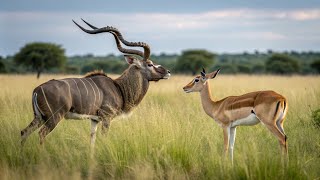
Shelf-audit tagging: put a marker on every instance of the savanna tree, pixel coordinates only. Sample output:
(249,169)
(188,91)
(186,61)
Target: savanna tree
(41,56)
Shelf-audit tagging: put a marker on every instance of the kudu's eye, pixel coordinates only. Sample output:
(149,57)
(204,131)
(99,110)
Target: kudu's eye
(150,65)
(196,80)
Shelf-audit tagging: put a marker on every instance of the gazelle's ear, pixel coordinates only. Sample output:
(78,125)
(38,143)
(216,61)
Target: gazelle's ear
(213,74)
(132,60)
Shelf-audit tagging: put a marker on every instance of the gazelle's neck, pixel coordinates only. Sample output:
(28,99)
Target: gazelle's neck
(206,99)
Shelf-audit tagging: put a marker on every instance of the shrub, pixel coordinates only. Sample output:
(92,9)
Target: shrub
(316,118)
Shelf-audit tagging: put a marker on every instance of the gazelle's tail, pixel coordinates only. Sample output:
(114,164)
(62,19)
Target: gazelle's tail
(281,110)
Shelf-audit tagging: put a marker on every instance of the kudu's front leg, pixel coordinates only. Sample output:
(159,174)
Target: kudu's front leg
(106,120)
(94,125)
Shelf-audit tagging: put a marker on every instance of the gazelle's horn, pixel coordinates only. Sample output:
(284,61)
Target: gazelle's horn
(203,72)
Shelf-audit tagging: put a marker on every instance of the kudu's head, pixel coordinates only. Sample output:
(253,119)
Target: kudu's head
(197,84)
(150,70)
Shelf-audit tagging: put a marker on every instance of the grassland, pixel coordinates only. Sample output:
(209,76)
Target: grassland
(167,137)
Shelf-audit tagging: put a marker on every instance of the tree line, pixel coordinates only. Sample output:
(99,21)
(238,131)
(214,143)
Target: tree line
(50,58)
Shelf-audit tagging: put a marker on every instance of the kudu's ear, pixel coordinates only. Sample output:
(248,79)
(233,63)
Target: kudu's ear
(213,74)
(132,60)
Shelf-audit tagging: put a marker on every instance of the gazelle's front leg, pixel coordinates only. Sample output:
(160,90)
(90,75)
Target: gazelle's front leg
(231,141)
(226,135)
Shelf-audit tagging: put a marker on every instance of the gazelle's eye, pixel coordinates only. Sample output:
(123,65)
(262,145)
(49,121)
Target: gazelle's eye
(150,65)
(196,80)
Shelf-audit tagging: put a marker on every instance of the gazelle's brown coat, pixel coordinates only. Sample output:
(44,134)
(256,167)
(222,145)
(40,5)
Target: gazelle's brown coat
(96,96)
(267,107)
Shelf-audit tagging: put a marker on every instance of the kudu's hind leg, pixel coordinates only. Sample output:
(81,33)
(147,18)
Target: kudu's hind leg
(35,124)
(49,125)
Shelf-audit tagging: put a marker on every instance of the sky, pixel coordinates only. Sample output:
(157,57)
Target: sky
(168,26)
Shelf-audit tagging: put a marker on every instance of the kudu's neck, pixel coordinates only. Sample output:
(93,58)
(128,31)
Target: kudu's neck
(133,86)
(206,99)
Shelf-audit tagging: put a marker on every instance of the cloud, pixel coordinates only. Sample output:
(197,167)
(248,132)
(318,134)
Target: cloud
(306,15)
(234,29)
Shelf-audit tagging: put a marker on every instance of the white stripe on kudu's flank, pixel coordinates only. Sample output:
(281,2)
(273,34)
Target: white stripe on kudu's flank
(96,87)
(79,94)
(45,98)
(85,87)
(69,88)
(94,92)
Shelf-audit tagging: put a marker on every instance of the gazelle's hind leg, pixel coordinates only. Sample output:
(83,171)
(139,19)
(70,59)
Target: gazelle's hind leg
(272,116)
(281,137)
(35,124)
(280,127)
(271,123)
(49,125)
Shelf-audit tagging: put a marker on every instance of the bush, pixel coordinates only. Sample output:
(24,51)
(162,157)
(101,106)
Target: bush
(2,67)
(109,66)
(258,68)
(194,60)
(70,69)
(282,64)
(316,118)
(226,68)
(244,68)
(316,65)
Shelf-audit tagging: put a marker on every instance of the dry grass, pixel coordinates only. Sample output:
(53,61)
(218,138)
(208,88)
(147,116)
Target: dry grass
(167,137)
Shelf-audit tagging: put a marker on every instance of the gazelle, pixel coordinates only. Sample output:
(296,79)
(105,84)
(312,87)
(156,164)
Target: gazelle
(96,96)
(249,109)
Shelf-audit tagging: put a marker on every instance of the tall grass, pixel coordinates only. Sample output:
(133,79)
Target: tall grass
(168,136)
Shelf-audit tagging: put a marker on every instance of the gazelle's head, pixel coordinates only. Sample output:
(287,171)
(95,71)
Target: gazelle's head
(149,70)
(197,83)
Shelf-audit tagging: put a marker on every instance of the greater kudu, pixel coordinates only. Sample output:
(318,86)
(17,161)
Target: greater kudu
(96,96)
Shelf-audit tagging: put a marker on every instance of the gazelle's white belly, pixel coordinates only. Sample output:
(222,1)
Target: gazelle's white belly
(247,121)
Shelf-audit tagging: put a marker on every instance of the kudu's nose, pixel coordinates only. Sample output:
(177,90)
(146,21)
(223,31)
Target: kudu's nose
(168,71)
